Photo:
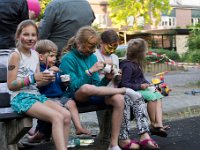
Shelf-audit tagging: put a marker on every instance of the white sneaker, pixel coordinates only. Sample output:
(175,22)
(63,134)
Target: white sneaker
(114,148)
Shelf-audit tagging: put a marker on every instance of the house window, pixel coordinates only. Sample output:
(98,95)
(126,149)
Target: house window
(195,21)
(101,19)
(167,21)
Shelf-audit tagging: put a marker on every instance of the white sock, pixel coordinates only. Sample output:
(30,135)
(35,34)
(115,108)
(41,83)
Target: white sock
(114,148)
(132,94)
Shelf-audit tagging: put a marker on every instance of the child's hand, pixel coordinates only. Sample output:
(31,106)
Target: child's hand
(144,86)
(97,66)
(44,77)
(109,76)
(54,69)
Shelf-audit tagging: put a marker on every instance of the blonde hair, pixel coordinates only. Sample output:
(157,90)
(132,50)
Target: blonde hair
(82,37)
(21,26)
(135,51)
(46,46)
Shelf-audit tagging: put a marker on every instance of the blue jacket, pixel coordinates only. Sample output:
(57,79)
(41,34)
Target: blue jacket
(53,89)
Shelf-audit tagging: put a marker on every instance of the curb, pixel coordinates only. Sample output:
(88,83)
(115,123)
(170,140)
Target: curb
(182,113)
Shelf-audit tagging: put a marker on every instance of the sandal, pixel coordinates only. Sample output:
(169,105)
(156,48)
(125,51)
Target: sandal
(159,131)
(167,127)
(146,146)
(128,146)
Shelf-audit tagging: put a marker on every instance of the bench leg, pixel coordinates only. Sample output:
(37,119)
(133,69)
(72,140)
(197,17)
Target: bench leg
(104,119)
(3,139)
(12,147)
(17,128)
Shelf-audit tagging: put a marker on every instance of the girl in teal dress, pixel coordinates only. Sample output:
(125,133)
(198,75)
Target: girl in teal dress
(133,77)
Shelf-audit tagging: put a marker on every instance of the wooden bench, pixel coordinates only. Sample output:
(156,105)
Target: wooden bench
(14,126)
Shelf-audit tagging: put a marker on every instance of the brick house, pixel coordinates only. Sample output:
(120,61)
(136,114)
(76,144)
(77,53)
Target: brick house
(184,13)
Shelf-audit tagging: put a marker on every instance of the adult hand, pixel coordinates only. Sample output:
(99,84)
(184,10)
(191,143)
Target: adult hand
(144,86)
(97,66)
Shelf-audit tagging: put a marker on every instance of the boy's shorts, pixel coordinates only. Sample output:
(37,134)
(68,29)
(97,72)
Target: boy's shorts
(61,100)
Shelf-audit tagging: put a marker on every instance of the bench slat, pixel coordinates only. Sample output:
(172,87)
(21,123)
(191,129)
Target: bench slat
(4,100)
(3,74)
(90,108)
(8,114)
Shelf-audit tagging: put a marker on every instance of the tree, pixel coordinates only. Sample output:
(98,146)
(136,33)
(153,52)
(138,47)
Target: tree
(43,4)
(120,10)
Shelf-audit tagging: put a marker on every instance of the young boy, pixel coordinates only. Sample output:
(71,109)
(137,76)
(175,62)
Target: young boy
(47,54)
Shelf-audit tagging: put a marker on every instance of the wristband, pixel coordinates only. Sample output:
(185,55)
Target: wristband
(88,73)
(26,81)
(22,82)
(31,79)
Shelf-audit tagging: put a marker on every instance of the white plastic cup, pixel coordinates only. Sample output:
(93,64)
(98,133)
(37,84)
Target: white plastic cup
(47,71)
(65,78)
(107,69)
(152,88)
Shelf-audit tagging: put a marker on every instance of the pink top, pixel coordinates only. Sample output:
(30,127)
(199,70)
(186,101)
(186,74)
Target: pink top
(34,5)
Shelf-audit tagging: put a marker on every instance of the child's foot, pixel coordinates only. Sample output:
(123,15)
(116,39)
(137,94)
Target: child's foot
(132,94)
(83,131)
(32,131)
(36,138)
(129,144)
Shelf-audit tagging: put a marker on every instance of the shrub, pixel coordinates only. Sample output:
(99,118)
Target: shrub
(170,54)
(194,38)
(121,51)
(194,56)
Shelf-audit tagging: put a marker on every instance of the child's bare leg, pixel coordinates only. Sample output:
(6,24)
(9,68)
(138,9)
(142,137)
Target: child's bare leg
(159,114)
(90,90)
(67,117)
(151,108)
(117,101)
(44,112)
(71,105)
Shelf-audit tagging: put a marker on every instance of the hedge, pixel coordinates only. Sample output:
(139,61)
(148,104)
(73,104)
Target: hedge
(169,53)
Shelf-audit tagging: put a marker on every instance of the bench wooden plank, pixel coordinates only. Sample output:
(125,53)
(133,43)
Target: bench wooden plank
(90,108)
(7,114)
(3,74)
(17,128)
(4,100)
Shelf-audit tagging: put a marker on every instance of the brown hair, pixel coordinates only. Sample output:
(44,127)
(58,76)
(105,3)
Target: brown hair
(46,46)
(21,26)
(135,51)
(83,35)
(109,37)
